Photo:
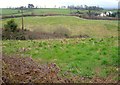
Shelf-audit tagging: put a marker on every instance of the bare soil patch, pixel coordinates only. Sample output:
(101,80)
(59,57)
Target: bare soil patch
(26,70)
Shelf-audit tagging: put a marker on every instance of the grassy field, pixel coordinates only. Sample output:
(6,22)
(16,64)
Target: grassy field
(37,11)
(73,25)
(88,57)
(6,11)
(83,57)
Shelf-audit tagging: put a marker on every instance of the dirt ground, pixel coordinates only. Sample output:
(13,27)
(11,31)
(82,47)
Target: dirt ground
(25,70)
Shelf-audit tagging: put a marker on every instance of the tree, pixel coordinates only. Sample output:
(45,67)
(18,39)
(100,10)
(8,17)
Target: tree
(30,6)
(10,31)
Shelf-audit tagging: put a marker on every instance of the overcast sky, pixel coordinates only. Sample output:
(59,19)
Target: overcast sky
(52,3)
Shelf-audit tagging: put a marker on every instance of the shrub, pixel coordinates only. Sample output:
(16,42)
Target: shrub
(62,31)
(10,31)
(11,26)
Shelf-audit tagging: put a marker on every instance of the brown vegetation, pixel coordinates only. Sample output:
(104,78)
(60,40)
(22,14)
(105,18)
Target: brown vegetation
(31,35)
(17,70)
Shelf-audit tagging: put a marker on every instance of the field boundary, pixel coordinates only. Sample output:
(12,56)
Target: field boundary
(77,15)
(26,15)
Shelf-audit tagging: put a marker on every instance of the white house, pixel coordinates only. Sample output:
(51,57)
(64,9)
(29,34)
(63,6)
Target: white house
(106,14)
(109,13)
(102,15)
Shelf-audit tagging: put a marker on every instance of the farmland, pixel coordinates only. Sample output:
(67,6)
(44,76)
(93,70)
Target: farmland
(6,11)
(73,25)
(37,11)
(94,56)
(80,56)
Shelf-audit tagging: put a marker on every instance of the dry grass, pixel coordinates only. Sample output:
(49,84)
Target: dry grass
(77,26)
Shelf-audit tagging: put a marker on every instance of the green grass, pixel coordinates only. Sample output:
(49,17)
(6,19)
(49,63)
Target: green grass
(52,11)
(40,11)
(6,11)
(97,55)
(37,11)
(75,25)
(84,57)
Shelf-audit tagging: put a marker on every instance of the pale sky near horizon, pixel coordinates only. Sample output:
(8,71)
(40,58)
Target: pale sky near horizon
(52,3)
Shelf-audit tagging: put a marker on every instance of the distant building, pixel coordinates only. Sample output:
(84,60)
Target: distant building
(102,15)
(106,14)
(109,13)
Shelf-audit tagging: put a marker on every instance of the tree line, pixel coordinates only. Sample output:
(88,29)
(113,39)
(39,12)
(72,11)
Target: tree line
(85,7)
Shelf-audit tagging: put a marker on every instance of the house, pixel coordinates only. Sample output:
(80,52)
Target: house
(109,13)
(102,15)
(106,14)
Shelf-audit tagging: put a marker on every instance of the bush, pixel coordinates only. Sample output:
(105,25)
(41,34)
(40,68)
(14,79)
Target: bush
(62,31)
(11,26)
(10,31)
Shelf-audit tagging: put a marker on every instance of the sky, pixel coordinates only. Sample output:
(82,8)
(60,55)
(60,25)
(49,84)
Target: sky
(58,3)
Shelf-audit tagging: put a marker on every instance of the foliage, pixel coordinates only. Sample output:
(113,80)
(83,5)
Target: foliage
(10,31)
(30,6)
(11,25)
(62,31)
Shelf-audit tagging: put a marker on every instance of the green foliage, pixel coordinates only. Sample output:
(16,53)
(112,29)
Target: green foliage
(11,26)
(12,32)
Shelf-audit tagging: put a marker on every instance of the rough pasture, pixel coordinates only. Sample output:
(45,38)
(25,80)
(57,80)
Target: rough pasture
(92,59)
(83,57)
(70,26)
